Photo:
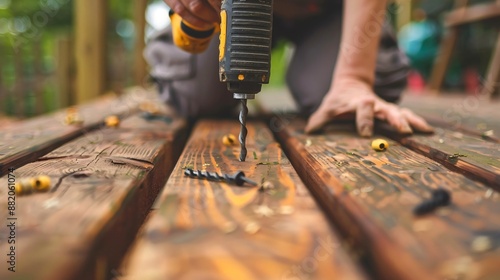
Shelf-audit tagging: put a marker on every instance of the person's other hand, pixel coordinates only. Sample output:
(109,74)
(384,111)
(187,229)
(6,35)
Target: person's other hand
(200,13)
(356,97)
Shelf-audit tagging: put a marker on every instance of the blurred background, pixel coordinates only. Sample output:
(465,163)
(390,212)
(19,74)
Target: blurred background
(57,53)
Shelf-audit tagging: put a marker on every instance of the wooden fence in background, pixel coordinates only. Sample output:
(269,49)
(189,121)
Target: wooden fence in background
(25,82)
(33,82)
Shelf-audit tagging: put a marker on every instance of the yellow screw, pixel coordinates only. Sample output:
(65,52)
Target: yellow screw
(112,121)
(24,187)
(229,140)
(27,186)
(72,116)
(41,183)
(380,145)
(149,107)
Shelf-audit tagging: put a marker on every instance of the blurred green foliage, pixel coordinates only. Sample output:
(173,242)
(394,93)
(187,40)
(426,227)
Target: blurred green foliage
(25,24)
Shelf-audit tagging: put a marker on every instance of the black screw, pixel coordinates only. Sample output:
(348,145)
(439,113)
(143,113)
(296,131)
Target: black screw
(440,197)
(237,178)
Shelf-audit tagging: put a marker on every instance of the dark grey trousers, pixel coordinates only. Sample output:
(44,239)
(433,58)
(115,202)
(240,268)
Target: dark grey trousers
(190,83)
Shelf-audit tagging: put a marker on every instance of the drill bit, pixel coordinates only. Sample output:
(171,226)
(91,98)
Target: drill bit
(243,130)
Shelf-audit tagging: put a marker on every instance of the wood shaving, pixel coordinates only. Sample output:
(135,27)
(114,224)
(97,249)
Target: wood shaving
(268,163)
(481,126)
(51,203)
(348,176)
(488,193)
(458,135)
(286,210)
(263,211)
(308,142)
(481,244)
(229,227)
(489,133)
(252,228)
(422,225)
(367,189)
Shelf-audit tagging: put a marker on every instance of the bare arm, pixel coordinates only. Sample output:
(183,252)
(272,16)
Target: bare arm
(352,84)
(361,30)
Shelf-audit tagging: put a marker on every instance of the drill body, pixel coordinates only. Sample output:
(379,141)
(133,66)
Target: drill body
(244,49)
(245,46)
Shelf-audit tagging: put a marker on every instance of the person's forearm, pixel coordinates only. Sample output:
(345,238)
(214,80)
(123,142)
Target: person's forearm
(362,26)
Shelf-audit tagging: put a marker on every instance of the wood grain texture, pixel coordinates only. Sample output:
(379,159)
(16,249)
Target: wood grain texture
(24,142)
(474,157)
(370,195)
(104,184)
(203,229)
(465,138)
(475,115)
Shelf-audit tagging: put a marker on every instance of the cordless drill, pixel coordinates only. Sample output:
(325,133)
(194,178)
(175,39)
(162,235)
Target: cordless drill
(244,49)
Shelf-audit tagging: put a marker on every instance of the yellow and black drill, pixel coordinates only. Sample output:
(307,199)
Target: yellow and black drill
(244,50)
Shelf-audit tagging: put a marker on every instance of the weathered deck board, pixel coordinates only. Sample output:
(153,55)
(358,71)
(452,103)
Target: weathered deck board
(474,157)
(27,141)
(104,185)
(203,229)
(463,123)
(370,196)
(475,115)
(6,121)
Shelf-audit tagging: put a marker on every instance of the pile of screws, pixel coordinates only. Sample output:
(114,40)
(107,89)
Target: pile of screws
(28,186)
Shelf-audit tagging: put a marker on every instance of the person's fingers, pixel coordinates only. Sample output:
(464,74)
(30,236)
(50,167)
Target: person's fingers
(195,12)
(416,121)
(329,109)
(317,120)
(202,9)
(216,4)
(364,116)
(396,119)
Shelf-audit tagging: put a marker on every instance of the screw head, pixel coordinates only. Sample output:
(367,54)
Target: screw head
(442,196)
(380,145)
(239,178)
(41,183)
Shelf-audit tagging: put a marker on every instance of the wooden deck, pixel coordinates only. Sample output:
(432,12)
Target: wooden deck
(327,206)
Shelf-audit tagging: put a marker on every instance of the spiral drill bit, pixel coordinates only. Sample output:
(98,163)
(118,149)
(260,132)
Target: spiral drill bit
(243,130)
(238,178)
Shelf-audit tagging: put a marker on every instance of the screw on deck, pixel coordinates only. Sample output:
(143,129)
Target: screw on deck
(238,178)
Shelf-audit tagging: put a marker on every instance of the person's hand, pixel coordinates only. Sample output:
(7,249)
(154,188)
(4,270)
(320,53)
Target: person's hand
(200,13)
(356,97)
